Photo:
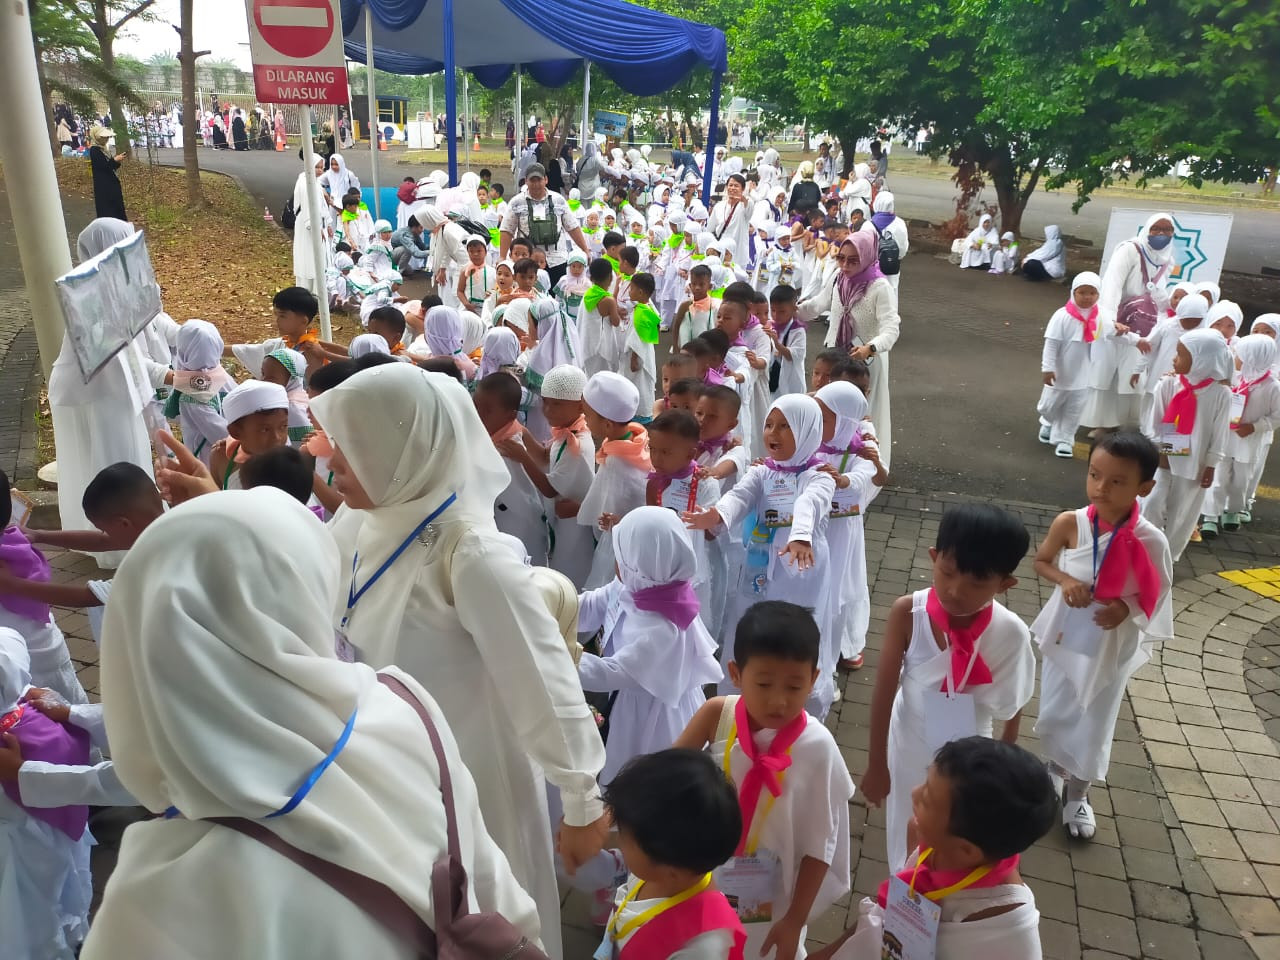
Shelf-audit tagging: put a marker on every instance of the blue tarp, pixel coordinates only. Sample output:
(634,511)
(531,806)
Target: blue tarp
(645,52)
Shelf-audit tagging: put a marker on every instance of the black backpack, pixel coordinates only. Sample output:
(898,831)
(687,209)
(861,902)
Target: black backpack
(469,225)
(288,216)
(890,255)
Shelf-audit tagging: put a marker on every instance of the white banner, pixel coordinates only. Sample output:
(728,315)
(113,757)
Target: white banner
(1199,242)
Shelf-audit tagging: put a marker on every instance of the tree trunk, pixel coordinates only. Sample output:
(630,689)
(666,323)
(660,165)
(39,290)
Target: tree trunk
(107,53)
(1011,201)
(190,109)
(848,148)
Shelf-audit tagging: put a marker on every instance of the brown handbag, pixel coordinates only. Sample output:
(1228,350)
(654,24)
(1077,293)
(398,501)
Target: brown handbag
(1140,314)
(459,934)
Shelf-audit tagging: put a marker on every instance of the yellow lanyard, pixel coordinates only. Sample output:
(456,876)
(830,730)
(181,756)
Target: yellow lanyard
(615,933)
(936,895)
(757,822)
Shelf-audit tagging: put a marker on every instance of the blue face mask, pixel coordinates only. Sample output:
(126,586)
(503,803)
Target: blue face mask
(1159,242)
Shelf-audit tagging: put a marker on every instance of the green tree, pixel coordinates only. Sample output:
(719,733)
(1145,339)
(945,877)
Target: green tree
(105,19)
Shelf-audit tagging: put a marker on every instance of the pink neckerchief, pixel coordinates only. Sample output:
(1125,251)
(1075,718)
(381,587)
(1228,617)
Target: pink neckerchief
(1090,321)
(766,768)
(713,444)
(925,879)
(962,642)
(1243,388)
(1181,411)
(1125,552)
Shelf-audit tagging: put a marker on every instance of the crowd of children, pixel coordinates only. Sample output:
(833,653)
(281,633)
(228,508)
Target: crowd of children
(707,502)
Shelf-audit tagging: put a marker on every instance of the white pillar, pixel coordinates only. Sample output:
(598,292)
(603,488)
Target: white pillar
(313,203)
(373,109)
(584,132)
(521,129)
(31,181)
(466,115)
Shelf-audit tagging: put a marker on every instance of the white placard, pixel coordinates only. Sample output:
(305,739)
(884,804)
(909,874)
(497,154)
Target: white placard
(1199,242)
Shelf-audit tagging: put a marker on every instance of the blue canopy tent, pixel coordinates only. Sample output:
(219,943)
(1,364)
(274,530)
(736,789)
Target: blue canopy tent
(645,52)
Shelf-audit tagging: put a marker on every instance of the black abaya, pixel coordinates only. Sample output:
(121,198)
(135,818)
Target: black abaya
(108,197)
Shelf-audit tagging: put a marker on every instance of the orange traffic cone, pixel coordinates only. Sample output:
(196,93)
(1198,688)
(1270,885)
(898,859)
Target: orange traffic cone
(382,141)
(475,145)
(280,141)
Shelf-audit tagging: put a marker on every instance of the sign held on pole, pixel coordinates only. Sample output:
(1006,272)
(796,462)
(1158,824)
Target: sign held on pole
(297,52)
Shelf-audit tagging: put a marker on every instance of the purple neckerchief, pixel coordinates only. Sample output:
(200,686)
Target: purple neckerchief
(712,376)
(792,467)
(675,601)
(25,562)
(715,443)
(43,739)
(855,444)
(317,510)
(752,321)
(882,220)
(738,341)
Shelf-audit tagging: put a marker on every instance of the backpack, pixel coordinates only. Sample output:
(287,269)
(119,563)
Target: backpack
(288,216)
(890,255)
(469,225)
(458,934)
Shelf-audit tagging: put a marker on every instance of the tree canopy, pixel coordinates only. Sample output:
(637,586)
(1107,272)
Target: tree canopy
(1081,92)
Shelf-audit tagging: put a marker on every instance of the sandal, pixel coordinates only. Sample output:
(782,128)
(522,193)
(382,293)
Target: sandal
(852,664)
(1044,433)
(1231,522)
(1209,528)
(1077,817)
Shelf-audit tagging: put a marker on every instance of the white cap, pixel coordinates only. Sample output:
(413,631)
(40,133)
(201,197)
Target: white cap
(565,382)
(253,396)
(612,396)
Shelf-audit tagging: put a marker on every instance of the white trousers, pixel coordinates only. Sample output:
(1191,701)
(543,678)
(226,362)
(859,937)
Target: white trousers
(1174,506)
(1061,410)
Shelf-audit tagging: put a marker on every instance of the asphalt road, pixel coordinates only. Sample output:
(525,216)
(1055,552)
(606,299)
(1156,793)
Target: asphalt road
(1255,233)
(965,375)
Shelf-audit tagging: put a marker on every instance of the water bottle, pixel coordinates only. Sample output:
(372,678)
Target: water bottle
(755,570)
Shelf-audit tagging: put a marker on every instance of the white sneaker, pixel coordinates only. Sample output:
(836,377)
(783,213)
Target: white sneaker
(1077,817)
(1064,450)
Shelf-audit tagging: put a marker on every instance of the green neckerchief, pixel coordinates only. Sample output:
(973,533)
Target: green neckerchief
(647,322)
(718,294)
(675,240)
(575,205)
(699,256)
(590,231)
(612,262)
(625,276)
(593,296)
(637,236)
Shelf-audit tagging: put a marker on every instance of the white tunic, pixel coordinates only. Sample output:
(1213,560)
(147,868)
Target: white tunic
(1208,438)
(1080,693)
(712,945)
(1065,355)
(308,218)
(731,223)
(617,488)
(572,543)
(1005,647)
(519,511)
(791,375)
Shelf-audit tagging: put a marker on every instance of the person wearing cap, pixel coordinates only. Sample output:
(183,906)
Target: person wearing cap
(257,415)
(543,217)
(476,280)
(409,248)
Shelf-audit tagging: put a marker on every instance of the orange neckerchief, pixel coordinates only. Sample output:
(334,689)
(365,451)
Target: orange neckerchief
(508,432)
(309,337)
(569,434)
(397,349)
(633,449)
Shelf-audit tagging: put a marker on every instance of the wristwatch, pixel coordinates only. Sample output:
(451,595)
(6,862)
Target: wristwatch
(871,347)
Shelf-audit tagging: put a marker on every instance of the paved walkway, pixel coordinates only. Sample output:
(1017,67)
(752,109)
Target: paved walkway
(1186,863)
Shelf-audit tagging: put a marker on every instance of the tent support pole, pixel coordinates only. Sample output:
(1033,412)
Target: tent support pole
(467,122)
(521,130)
(373,109)
(708,173)
(585,129)
(450,93)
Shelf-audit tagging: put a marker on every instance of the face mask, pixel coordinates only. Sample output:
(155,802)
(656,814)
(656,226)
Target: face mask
(1159,242)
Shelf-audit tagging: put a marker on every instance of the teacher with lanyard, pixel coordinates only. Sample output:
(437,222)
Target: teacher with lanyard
(541,215)
(731,217)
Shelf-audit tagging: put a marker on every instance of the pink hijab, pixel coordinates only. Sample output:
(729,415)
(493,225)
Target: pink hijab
(852,288)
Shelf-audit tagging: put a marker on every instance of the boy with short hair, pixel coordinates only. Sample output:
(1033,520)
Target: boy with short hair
(823,366)
(477,279)
(518,511)
(285,468)
(792,859)
(677,820)
(257,420)
(983,804)
(295,310)
(389,323)
(954,662)
(675,483)
(677,366)
(698,313)
(638,360)
(720,453)
(599,321)
(612,243)
(790,339)
(684,394)
(731,319)
(1113,574)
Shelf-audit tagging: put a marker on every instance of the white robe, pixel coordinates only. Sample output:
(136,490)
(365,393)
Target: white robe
(572,543)
(1005,647)
(805,821)
(519,512)
(1066,356)
(657,669)
(978,247)
(791,374)
(1080,694)
(712,945)
(306,219)
(616,488)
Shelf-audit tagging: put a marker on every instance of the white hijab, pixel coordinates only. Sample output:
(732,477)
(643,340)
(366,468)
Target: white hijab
(557,338)
(804,416)
(221,709)
(1257,353)
(340,180)
(1157,257)
(883,203)
(501,349)
(1268,320)
(850,407)
(101,234)
(1210,357)
(652,548)
(444,331)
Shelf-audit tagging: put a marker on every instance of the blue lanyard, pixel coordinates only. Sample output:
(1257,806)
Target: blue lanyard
(353,594)
(1097,567)
(312,778)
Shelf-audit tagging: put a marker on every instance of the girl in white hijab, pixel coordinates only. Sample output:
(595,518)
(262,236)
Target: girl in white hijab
(844,412)
(228,722)
(337,181)
(980,245)
(1189,420)
(99,423)
(1255,412)
(448,250)
(788,497)
(306,219)
(444,330)
(1049,260)
(501,350)
(199,384)
(656,653)
(459,612)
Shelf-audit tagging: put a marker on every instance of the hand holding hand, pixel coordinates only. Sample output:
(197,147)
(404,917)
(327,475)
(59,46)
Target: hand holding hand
(1076,593)
(1112,615)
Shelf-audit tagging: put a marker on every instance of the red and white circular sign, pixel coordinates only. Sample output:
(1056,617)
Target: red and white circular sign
(298,29)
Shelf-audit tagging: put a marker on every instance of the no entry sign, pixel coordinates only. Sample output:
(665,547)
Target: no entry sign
(297,51)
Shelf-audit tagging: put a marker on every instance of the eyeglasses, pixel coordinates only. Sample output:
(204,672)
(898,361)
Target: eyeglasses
(840,259)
